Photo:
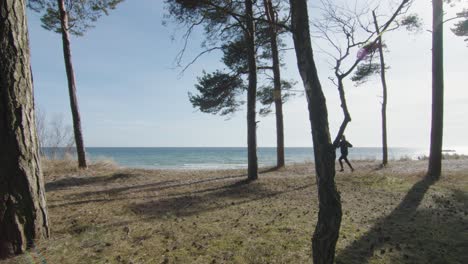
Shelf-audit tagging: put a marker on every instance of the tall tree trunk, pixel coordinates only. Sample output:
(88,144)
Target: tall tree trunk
(23,213)
(270,12)
(80,149)
(437,124)
(329,218)
(384,94)
(251,94)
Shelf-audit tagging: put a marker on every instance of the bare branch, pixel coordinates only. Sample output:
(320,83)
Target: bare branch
(186,36)
(197,57)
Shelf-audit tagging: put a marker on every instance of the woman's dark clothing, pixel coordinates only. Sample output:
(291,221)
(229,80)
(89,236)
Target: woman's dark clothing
(344,145)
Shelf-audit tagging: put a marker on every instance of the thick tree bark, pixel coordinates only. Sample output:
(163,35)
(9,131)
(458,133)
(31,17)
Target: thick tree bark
(329,219)
(270,12)
(384,94)
(23,214)
(437,124)
(251,94)
(80,149)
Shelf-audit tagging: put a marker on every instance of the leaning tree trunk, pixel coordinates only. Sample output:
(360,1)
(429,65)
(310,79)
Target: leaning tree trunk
(437,124)
(23,214)
(329,219)
(344,107)
(384,94)
(277,83)
(80,149)
(251,94)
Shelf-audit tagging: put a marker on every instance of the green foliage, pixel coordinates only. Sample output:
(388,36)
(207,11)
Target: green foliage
(364,71)
(235,51)
(223,25)
(81,13)
(221,19)
(368,67)
(461,27)
(190,10)
(51,21)
(235,55)
(218,93)
(412,23)
(216,17)
(266,95)
(264,44)
(212,87)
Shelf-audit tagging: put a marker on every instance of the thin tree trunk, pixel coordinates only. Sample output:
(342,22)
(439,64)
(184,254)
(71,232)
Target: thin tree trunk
(435,156)
(23,213)
(341,76)
(384,94)
(251,94)
(329,218)
(344,106)
(270,12)
(80,149)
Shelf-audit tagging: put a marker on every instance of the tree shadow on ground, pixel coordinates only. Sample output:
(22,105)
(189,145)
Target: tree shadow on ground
(156,186)
(82,181)
(194,203)
(97,195)
(408,235)
(270,169)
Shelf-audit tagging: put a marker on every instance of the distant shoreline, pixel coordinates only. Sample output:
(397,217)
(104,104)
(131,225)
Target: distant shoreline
(450,163)
(213,158)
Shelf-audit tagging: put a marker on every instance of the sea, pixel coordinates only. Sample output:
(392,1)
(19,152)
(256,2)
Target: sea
(231,157)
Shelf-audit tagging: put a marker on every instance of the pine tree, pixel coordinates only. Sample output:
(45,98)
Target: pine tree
(23,213)
(231,25)
(72,17)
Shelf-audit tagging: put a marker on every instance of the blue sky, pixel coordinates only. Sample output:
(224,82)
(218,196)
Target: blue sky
(131,95)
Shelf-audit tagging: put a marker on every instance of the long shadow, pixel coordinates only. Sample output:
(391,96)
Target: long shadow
(404,229)
(148,187)
(75,199)
(192,203)
(82,181)
(156,186)
(101,200)
(269,169)
(188,203)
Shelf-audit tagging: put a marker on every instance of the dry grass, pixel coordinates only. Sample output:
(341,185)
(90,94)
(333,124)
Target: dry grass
(108,214)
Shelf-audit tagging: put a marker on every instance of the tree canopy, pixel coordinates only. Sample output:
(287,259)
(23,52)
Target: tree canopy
(218,93)
(81,13)
(224,28)
(461,27)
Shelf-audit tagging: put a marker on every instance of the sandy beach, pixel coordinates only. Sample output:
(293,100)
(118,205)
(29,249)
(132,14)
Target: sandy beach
(108,214)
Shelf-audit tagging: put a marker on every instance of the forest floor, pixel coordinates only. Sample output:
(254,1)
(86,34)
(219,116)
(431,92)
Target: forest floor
(108,214)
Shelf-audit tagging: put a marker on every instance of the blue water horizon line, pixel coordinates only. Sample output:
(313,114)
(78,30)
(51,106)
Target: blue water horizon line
(245,147)
(224,157)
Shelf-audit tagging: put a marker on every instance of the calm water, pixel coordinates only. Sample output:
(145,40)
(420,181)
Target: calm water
(218,158)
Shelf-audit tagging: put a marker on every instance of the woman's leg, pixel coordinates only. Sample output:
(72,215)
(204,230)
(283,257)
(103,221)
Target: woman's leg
(349,164)
(341,163)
